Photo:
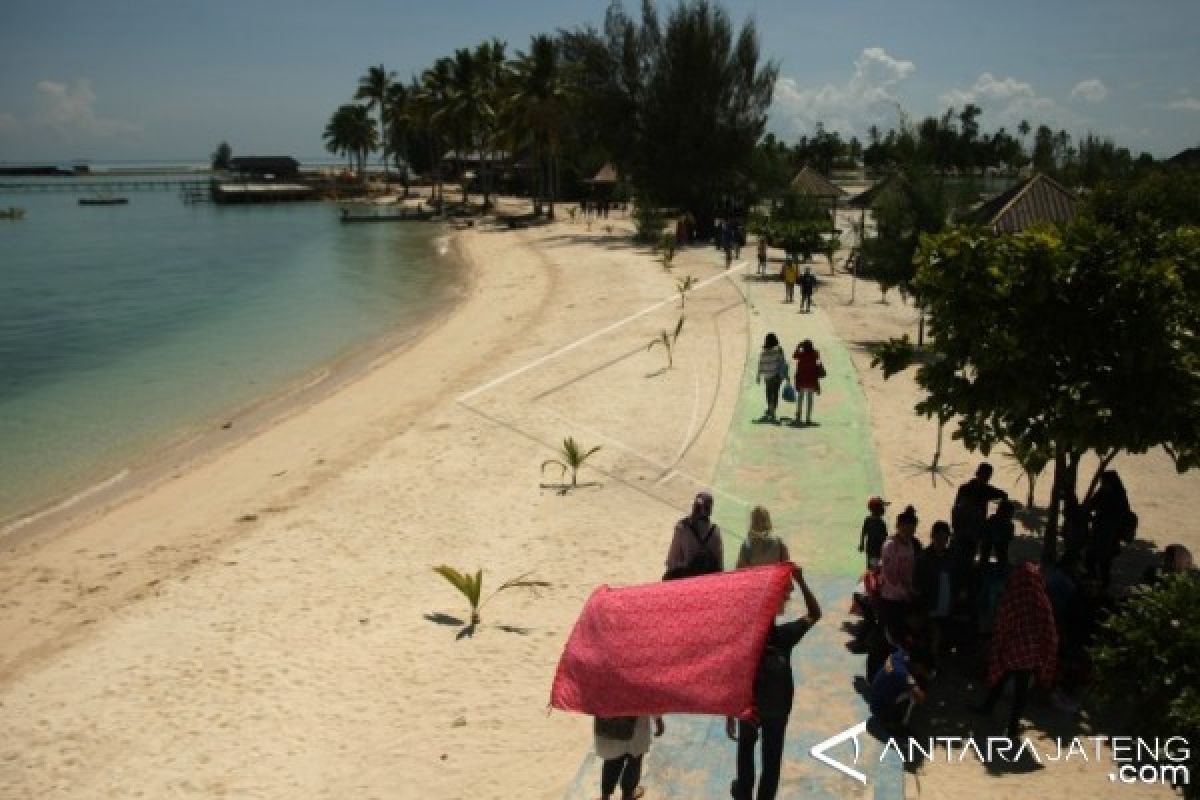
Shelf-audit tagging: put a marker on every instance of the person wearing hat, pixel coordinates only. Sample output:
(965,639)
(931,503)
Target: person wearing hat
(874,532)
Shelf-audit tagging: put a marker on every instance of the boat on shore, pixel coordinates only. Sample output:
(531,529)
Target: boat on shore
(103,200)
(349,215)
(12,212)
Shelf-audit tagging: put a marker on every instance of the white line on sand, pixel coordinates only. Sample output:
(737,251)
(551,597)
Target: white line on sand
(594,335)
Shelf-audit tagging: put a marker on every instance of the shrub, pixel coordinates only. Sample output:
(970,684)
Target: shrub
(1147,658)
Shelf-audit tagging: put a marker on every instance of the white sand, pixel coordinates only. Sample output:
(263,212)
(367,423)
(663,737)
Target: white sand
(257,626)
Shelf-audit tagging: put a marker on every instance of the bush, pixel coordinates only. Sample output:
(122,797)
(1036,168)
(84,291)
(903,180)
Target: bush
(649,221)
(1148,659)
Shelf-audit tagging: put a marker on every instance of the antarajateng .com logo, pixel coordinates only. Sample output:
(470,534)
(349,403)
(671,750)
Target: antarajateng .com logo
(1128,759)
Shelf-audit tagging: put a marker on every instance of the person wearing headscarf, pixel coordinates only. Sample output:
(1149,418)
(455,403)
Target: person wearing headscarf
(1024,642)
(696,547)
(897,574)
(772,368)
(761,545)
(1108,511)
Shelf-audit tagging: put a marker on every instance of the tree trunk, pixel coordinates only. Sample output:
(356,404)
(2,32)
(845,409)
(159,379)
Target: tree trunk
(1105,460)
(1066,471)
(920,327)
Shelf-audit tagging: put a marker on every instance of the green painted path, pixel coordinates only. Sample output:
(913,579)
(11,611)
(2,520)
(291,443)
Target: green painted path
(815,482)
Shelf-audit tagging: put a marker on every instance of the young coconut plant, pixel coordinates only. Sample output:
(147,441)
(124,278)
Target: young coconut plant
(683,286)
(571,458)
(471,587)
(668,340)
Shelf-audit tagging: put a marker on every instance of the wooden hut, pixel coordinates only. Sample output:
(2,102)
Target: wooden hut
(1034,200)
(813,184)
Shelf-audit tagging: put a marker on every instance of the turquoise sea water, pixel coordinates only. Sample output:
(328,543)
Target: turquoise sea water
(124,328)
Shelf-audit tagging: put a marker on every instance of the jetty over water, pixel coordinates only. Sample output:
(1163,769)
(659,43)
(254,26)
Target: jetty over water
(92,185)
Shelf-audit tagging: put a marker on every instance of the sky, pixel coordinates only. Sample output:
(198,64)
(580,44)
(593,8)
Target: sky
(116,80)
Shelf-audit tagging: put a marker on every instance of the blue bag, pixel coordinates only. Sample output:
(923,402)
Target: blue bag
(789,393)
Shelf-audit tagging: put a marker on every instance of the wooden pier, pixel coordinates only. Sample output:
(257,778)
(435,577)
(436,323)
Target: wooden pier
(186,185)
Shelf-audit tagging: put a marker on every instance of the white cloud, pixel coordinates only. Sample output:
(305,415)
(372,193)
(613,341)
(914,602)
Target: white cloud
(1007,101)
(69,111)
(1185,104)
(1092,90)
(867,97)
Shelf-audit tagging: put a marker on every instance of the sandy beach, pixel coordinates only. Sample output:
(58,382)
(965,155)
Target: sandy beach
(266,622)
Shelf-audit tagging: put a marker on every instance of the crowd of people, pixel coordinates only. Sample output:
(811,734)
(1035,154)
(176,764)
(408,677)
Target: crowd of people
(1018,624)
(1014,624)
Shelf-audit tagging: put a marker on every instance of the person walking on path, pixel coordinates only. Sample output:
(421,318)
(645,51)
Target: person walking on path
(761,546)
(874,532)
(772,368)
(696,547)
(762,255)
(621,742)
(808,283)
(1024,643)
(789,280)
(809,372)
(774,689)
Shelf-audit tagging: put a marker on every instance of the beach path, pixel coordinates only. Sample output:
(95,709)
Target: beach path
(815,481)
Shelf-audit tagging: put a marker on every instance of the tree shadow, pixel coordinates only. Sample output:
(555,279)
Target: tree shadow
(439,618)
(515,629)
(467,631)
(944,472)
(656,373)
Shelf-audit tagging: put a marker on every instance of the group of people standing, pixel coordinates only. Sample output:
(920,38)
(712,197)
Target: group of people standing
(1031,624)
(697,548)
(790,273)
(802,388)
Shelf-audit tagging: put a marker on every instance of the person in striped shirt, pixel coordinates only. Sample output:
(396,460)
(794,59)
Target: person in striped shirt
(772,368)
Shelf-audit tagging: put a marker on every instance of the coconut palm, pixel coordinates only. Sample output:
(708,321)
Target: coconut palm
(435,88)
(667,340)
(373,87)
(683,286)
(351,132)
(539,105)
(471,587)
(572,457)
(398,119)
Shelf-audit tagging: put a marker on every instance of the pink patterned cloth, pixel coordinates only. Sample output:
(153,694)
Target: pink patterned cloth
(689,646)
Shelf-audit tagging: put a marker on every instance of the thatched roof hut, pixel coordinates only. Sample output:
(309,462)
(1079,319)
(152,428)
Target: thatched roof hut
(813,184)
(606,176)
(1034,200)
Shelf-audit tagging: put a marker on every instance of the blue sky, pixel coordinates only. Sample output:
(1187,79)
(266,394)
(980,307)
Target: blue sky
(122,79)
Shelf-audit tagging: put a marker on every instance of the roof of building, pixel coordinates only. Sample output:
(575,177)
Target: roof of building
(810,182)
(607,174)
(868,198)
(1037,199)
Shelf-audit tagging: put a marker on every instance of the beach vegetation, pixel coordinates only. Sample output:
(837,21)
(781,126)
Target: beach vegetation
(683,286)
(1147,659)
(1072,341)
(666,248)
(667,340)
(375,87)
(471,587)
(571,458)
(648,222)
(538,110)
(351,132)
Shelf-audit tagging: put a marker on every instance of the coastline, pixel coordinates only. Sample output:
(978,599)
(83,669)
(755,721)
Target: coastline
(269,618)
(204,438)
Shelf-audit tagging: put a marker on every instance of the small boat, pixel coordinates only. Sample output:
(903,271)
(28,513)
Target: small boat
(12,212)
(390,216)
(103,200)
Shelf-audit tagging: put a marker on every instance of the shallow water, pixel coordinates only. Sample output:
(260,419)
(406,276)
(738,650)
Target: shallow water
(123,328)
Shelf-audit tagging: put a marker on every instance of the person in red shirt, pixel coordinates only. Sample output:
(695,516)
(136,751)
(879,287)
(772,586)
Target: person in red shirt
(807,381)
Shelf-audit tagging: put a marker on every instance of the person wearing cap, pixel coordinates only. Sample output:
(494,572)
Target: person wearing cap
(874,532)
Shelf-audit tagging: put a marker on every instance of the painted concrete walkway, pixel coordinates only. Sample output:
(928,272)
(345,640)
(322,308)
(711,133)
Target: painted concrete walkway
(815,481)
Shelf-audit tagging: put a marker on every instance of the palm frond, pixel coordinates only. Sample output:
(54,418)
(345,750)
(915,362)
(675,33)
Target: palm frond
(468,585)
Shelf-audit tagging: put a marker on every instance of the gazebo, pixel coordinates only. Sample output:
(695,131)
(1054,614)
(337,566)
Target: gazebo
(811,183)
(1032,201)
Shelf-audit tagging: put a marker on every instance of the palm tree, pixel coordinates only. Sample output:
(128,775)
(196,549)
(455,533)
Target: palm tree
(572,457)
(1023,129)
(460,107)
(435,88)
(351,132)
(471,587)
(373,87)
(492,75)
(539,102)
(667,340)
(397,116)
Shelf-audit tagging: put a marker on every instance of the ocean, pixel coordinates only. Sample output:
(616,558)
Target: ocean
(125,329)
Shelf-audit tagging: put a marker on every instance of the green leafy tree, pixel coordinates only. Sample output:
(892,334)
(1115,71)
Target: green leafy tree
(538,109)
(1075,341)
(222,155)
(398,123)
(571,458)
(1147,662)
(430,102)
(471,587)
(915,203)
